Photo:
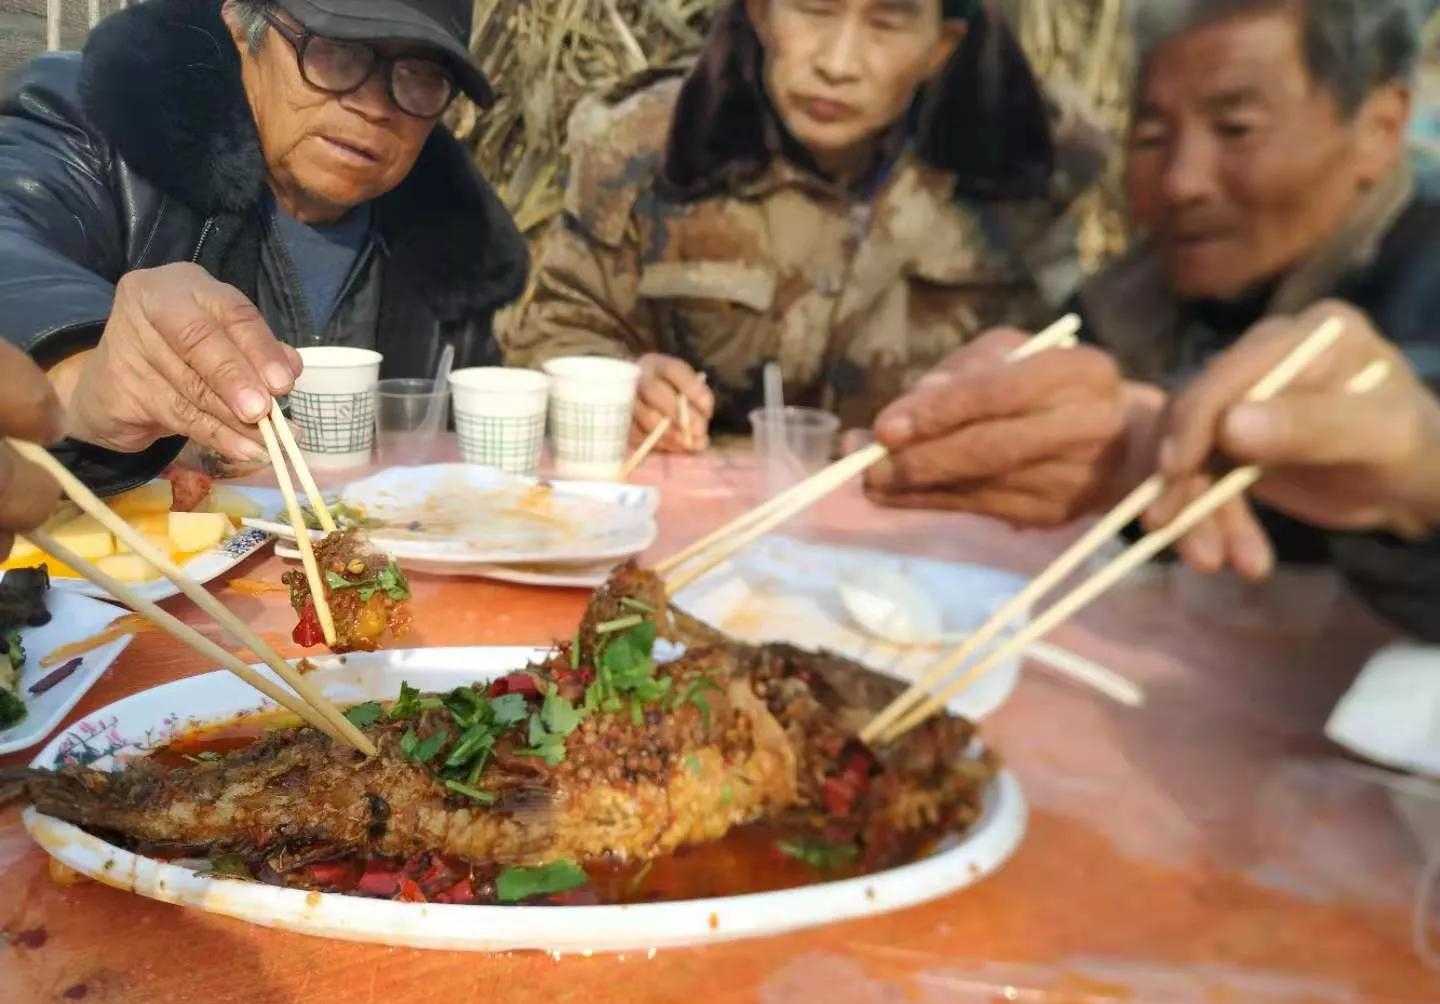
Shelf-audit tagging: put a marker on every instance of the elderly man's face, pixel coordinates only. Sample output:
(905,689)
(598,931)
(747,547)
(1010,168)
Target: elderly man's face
(840,73)
(326,153)
(1239,163)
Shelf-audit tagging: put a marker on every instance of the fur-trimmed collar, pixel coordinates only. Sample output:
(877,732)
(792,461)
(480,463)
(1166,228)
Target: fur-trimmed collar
(985,120)
(162,82)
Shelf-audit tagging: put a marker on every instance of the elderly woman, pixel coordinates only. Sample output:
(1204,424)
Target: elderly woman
(1267,175)
(214,185)
(850,188)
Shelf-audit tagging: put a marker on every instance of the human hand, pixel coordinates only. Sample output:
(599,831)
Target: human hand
(1034,442)
(182,354)
(664,380)
(1333,459)
(29,411)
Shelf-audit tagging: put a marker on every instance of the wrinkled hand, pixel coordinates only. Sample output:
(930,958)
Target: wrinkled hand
(1034,442)
(182,354)
(1333,459)
(30,411)
(663,381)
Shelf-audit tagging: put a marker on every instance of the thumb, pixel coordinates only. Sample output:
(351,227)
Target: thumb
(1309,429)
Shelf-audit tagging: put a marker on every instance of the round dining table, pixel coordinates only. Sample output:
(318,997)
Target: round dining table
(1211,845)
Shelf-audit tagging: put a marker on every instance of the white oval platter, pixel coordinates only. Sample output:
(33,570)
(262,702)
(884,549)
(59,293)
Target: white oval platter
(149,719)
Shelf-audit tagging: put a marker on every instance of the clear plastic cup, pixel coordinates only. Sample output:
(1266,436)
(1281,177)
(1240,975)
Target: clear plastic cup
(411,416)
(332,407)
(500,416)
(591,402)
(805,444)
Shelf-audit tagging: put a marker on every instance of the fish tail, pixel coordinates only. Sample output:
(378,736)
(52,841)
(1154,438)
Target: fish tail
(77,796)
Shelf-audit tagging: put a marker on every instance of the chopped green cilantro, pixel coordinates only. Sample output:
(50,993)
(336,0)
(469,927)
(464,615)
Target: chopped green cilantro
(818,854)
(692,764)
(619,624)
(407,705)
(509,710)
(364,715)
(428,748)
(516,884)
(695,694)
(474,794)
(640,606)
(230,866)
(15,646)
(390,580)
(559,715)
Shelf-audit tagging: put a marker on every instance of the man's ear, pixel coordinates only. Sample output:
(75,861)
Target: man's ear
(952,33)
(1382,128)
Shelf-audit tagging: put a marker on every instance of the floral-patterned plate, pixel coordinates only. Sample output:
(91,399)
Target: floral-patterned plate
(133,727)
(74,618)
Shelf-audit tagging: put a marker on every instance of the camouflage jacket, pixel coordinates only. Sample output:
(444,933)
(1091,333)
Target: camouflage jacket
(856,298)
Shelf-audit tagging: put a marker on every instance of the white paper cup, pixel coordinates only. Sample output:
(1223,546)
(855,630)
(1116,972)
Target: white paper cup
(591,400)
(500,416)
(332,407)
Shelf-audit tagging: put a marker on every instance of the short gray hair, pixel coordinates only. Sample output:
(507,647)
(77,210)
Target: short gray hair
(1351,46)
(251,15)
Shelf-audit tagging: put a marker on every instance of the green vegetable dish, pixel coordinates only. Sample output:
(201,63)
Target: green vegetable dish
(22,605)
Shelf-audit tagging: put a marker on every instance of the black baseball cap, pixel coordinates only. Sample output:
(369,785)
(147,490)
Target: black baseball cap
(441,24)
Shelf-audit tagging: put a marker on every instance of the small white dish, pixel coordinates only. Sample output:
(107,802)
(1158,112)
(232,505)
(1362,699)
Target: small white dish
(74,618)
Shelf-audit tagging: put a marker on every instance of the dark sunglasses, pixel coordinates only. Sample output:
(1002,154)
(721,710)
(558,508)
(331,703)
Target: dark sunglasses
(418,86)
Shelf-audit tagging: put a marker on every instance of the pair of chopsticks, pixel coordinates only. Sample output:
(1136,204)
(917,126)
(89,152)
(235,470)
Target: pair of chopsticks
(276,431)
(923,699)
(644,450)
(709,552)
(305,701)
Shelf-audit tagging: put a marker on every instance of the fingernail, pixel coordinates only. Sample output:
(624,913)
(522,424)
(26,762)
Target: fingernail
(899,429)
(253,405)
(278,377)
(1248,423)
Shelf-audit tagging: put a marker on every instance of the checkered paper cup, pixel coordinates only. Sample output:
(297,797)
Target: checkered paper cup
(500,416)
(332,407)
(591,400)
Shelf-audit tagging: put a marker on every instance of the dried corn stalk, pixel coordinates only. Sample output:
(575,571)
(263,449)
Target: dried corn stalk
(545,55)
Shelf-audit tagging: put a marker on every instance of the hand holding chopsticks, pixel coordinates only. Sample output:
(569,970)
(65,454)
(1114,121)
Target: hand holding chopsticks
(311,705)
(714,549)
(918,703)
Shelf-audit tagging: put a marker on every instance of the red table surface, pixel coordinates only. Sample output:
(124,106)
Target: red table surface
(1212,846)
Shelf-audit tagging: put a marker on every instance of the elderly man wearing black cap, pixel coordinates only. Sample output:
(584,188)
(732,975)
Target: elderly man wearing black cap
(213,185)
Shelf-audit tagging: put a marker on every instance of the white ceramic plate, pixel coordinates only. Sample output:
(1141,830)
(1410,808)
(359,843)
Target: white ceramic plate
(202,568)
(465,516)
(73,618)
(149,720)
(784,590)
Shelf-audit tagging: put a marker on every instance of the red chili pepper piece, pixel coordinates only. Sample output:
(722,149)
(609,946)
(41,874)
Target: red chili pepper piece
(308,633)
(379,880)
(462,893)
(410,892)
(515,683)
(329,873)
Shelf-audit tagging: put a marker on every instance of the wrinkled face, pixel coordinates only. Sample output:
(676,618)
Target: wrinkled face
(840,73)
(326,153)
(1239,164)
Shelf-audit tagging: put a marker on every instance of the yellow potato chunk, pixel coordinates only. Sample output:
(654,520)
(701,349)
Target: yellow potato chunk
(128,568)
(24,551)
(86,537)
(235,504)
(159,541)
(156,497)
(191,532)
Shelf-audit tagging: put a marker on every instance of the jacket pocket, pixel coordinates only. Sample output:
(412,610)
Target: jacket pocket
(714,312)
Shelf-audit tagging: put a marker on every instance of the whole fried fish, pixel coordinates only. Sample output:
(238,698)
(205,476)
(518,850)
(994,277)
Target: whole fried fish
(599,753)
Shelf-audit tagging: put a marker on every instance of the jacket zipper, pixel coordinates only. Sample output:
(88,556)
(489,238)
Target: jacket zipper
(200,246)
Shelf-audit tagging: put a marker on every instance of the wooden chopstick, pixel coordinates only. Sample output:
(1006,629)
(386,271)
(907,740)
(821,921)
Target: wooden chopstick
(183,632)
(684,407)
(775,511)
(302,534)
(302,469)
(1230,487)
(645,449)
(233,625)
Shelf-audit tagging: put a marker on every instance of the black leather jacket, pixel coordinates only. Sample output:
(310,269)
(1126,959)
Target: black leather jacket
(143,153)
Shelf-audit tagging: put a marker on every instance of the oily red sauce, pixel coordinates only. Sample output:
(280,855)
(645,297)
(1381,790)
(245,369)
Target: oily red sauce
(746,860)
